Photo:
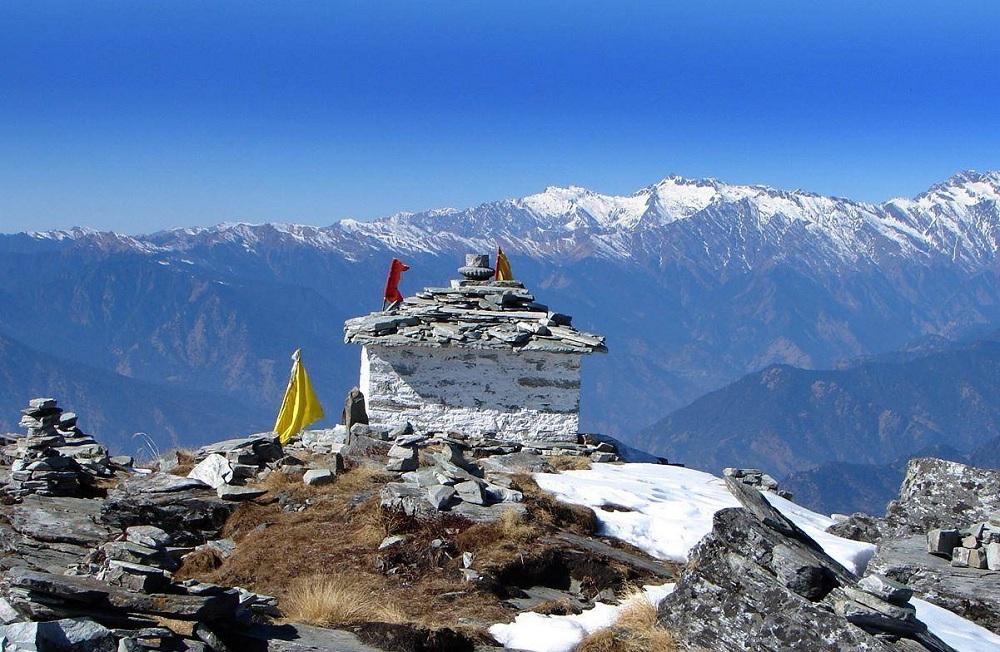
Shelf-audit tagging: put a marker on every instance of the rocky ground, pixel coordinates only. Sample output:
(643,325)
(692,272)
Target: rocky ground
(401,540)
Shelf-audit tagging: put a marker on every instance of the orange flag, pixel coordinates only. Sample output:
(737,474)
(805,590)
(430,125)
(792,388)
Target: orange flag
(503,267)
(392,294)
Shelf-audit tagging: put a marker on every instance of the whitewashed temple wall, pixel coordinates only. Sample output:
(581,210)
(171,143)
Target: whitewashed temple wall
(522,396)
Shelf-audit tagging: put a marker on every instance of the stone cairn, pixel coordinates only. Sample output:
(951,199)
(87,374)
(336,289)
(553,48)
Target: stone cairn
(474,313)
(977,546)
(55,457)
(757,479)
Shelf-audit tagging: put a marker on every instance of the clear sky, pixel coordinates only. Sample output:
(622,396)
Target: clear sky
(137,116)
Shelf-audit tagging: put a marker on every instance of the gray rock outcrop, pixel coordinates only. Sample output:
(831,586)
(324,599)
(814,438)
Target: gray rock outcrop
(940,494)
(758,582)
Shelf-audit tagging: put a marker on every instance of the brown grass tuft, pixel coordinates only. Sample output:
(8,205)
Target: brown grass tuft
(635,630)
(185,461)
(198,563)
(340,600)
(557,608)
(567,462)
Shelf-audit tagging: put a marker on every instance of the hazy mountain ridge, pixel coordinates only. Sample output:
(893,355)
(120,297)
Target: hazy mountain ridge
(860,424)
(695,283)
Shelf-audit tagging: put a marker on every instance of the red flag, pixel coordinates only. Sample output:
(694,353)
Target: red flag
(392,283)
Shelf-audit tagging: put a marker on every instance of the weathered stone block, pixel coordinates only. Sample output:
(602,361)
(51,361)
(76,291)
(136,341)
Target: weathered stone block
(993,556)
(941,542)
(960,557)
(318,477)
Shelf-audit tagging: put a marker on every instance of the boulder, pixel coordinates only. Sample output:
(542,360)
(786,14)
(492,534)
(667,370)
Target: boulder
(318,477)
(186,508)
(941,494)
(215,471)
(67,635)
(758,582)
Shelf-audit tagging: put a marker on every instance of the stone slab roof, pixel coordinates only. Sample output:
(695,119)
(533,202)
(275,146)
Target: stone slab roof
(476,315)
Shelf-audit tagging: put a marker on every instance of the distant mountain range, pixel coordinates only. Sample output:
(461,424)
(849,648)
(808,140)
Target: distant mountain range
(694,282)
(845,435)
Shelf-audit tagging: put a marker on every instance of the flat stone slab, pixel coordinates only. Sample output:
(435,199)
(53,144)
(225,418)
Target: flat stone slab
(103,597)
(969,592)
(293,637)
(60,520)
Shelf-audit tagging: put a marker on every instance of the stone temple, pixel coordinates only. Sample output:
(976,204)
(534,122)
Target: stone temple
(480,357)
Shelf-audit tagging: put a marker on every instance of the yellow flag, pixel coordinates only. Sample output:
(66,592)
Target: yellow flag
(503,267)
(300,406)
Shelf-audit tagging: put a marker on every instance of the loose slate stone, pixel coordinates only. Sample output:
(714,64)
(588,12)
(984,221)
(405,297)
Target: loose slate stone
(440,496)
(318,477)
(886,589)
(100,596)
(148,535)
(67,635)
(234,493)
(214,471)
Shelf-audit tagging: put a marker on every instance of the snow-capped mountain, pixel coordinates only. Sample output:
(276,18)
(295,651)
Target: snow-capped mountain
(695,283)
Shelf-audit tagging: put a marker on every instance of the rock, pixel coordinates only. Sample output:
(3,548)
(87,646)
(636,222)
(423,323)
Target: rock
(362,446)
(84,592)
(470,492)
(390,541)
(148,535)
(941,494)
(407,498)
(8,614)
(186,508)
(67,635)
(520,462)
(941,542)
(603,457)
(977,558)
(233,493)
(960,557)
(497,494)
(758,582)
(403,459)
(59,520)
(214,471)
(354,409)
(858,527)
(965,591)
(318,477)
(886,589)
(440,496)
(993,556)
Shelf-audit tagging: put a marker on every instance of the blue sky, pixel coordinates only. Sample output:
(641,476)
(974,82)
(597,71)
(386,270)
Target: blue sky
(138,116)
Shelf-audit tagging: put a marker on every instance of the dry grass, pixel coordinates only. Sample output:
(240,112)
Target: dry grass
(339,600)
(568,462)
(548,512)
(198,563)
(185,461)
(557,608)
(338,535)
(635,630)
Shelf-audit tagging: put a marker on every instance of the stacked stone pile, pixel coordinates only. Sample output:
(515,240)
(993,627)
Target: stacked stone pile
(227,466)
(54,457)
(977,546)
(474,314)
(757,479)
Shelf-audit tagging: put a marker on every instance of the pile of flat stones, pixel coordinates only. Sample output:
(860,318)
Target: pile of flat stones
(977,546)
(227,466)
(474,314)
(757,479)
(54,457)
(448,471)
